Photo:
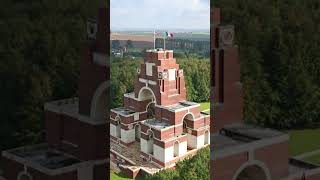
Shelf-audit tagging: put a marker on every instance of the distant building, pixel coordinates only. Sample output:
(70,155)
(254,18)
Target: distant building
(157,125)
(75,147)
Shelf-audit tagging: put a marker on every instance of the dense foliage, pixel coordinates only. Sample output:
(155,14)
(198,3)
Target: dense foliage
(40,52)
(280,57)
(195,168)
(196,71)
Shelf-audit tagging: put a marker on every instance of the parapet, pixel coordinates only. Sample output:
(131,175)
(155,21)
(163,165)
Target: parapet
(158,54)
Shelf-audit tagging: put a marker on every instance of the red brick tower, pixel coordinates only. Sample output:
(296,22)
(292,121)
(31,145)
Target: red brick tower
(76,128)
(238,150)
(225,66)
(157,118)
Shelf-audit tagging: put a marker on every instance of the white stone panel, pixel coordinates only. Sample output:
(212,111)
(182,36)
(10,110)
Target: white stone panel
(143,145)
(113,130)
(127,136)
(207,138)
(149,68)
(195,142)
(168,154)
(192,141)
(150,146)
(176,149)
(136,116)
(182,148)
(200,141)
(158,153)
(172,74)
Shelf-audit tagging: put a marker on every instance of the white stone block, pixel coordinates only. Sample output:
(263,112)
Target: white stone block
(113,130)
(127,136)
(195,142)
(149,68)
(172,74)
(158,153)
(182,148)
(200,141)
(143,145)
(168,154)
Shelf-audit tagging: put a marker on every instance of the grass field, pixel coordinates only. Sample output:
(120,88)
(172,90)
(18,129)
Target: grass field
(315,159)
(118,176)
(302,141)
(205,106)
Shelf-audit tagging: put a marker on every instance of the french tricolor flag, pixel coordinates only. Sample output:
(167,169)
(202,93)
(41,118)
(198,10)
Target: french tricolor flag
(169,35)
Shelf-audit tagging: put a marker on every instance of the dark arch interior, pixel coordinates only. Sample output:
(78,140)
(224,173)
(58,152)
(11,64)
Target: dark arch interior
(101,107)
(252,173)
(151,110)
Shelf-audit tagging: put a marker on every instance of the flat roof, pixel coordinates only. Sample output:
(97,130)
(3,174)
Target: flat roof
(68,106)
(253,132)
(45,156)
(181,105)
(157,124)
(219,141)
(123,111)
(237,138)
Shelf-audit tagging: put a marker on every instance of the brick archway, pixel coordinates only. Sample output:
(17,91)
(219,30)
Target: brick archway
(23,175)
(146,93)
(99,102)
(260,170)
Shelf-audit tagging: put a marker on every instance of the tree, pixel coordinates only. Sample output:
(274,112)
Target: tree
(115,44)
(129,44)
(197,167)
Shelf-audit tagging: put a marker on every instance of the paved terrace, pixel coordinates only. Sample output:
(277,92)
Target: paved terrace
(132,153)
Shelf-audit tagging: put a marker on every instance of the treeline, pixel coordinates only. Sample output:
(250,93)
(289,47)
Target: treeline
(39,61)
(197,167)
(280,59)
(196,72)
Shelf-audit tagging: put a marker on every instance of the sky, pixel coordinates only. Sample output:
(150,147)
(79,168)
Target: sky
(160,14)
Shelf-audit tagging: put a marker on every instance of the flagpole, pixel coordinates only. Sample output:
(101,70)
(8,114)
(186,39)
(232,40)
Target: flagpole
(154,39)
(164,42)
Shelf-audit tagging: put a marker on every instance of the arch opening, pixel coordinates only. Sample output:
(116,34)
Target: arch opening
(252,172)
(146,94)
(206,137)
(137,130)
(188,118)
(99,105)
(24,176)
(176,149)
(118,127)
(150,110)
(150,142)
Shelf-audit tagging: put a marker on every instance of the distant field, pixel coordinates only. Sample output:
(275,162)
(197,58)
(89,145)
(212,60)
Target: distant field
(148,37)
(132,37)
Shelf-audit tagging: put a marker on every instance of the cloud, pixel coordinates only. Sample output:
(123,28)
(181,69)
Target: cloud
(160,13)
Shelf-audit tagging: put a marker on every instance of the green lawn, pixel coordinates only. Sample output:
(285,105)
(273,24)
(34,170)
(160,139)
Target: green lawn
(205,106)
(118,176)
(315,159)
(302,141)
